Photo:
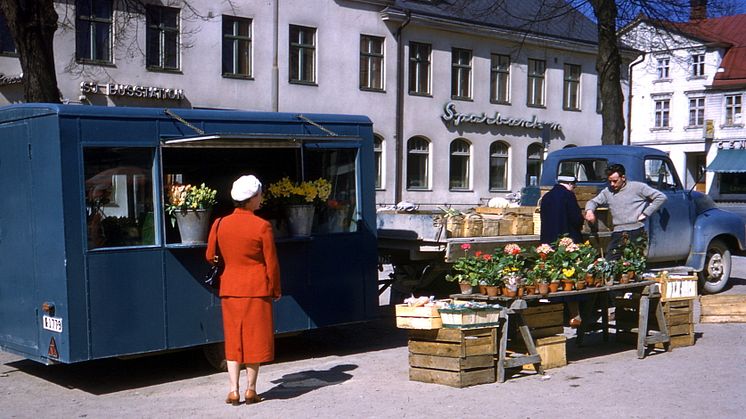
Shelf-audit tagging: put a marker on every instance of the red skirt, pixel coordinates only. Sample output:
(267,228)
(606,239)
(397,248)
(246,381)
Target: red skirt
(248,329)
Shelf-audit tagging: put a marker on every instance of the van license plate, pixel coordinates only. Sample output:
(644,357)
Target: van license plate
(52,323)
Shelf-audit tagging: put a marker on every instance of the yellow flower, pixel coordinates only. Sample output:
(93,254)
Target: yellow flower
(568,272)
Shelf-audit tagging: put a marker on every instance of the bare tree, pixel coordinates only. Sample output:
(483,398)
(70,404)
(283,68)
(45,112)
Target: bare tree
(32,24)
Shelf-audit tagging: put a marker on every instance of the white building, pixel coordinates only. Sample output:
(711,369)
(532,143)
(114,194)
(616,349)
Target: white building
(686,99)
(465,103)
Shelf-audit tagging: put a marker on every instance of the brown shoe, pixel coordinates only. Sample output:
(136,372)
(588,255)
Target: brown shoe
(233,398)
(252,397)
(575,322)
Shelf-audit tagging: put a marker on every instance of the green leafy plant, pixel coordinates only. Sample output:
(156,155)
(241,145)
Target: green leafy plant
(472,268)
(634,253)
(188,197)
(564,261)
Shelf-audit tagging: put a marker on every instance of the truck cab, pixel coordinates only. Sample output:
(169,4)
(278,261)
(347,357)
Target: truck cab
(688,229)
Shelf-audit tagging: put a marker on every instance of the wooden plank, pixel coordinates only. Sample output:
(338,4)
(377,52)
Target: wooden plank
(543,308)
(734,309)
(677,319)
(680,329)
(724,298)
(454,379)
(407,311)
(419,322)
(552,350)
(541,332)
(723,319)
(523,210)
(442,335)
(482,345)
(552,318)
(451,364)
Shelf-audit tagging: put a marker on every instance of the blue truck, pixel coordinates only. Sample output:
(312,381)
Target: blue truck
(90,265)
(688,232)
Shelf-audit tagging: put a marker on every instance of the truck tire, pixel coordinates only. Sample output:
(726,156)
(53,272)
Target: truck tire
(717,268)
(215,356)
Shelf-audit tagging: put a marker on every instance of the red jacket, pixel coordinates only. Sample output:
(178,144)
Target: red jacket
(248,250)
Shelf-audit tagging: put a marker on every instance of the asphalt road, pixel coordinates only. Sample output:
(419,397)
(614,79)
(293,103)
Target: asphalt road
(362,371)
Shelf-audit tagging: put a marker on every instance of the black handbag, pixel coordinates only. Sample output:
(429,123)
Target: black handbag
(212,278)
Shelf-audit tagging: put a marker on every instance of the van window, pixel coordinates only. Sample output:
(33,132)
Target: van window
(584,170)
(660,175)
(119,196)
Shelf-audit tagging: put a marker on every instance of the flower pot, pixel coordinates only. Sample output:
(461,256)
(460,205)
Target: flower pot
(624,278)
(598,281)
(589,280)
(632,276)
(530,289)
(300,219)
(466,288)
(580,284)
(567,284)
(492,290)
(193,225)
(507,292)
(554,286)
(483,289)
(543,288)
(520,291)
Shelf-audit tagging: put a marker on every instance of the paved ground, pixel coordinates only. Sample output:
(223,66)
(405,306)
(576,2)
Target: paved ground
(361,371)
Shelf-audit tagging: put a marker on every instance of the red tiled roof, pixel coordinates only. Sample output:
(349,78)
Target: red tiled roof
(728,30)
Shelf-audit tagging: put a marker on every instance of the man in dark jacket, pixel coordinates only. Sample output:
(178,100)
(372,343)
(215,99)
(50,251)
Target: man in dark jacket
(560,213)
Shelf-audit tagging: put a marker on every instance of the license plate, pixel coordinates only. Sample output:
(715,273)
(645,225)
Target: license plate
(52,323)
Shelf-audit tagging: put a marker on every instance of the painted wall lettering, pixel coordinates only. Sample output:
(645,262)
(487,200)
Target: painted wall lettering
(116,89)
(456,118)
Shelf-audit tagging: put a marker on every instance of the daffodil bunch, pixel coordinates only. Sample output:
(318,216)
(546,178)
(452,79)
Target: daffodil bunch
(189,197)
(307,192)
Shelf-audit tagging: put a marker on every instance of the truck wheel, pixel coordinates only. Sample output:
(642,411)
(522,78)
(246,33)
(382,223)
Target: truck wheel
(215,356)
(715,275)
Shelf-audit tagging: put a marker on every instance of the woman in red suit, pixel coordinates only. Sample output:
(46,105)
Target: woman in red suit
(248,284)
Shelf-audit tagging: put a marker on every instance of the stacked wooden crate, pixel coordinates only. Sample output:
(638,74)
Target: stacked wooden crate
(453,357)
(417,317)
(723,308)
(679,314)
(545,322)
(510,221)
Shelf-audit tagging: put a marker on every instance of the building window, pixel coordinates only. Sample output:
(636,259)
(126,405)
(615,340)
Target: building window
(571,92)
(662,112)
(696,112)
(302,54)
(698,65)
(419,68)
(534,160)
(371,62)
(499,166)
(236,46)
(662,68)
(500,78)
(418,156)
(378,160)
(460,73)
(733,110)
(7,45)
(459,165)
(536,73)
(162,39)
(93,21)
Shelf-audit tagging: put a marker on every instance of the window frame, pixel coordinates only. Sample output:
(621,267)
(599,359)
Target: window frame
(6,38)
(459,157)
(461,86)
(418,153)
(536,83)
(697,111)
(697,65)
(420,67)
(571,87)
(735,107)
(500,78)
(662,113)
(494,156)
(298,49)
(379,161)
(663,68)
(531,160)
(162,31)
(93,22)
(368,60)
(234,40)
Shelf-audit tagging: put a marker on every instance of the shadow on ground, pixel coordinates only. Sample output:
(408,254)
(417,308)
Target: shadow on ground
(113,375)
(300,383)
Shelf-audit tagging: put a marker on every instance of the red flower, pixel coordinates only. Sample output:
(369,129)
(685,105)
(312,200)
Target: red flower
(478,253)
(487,256)
(465,246)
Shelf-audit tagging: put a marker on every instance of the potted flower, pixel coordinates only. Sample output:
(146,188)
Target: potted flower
(634,252)
(586,255)
(540,274)
(603,270)
(510,261)
(190,207)
(564,262)
(298,200)
(469,270)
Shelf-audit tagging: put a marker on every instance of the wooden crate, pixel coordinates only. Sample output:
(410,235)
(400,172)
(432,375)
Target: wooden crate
(417,317)
(679,316)
(678,287)
(514,225)
(463,318)
(473,225)
(552,349)
(453,357)
(723,308)
(522,210)
(545,319)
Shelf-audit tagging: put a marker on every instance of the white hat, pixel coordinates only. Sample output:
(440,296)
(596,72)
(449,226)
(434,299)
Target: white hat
(245,187)
(566,179)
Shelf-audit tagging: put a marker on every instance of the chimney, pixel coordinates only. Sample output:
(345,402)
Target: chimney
(698,10)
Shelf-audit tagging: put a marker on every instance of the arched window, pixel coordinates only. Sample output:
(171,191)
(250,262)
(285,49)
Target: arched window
(459,167)
(418,158)
(499,166)
(535,156)
(378,160)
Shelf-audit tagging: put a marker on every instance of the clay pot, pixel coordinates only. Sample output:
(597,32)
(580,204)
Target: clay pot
(466,288)
(599,281)
(543,288)
(492,290)
(580,284)
(483,289)
(567,284)
(632,276)
(520,291)
(530,289)
(507,292)
(624,278)
(554,286)
(589,280)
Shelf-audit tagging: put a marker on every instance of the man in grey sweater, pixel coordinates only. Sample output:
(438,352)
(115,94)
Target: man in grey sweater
(630,203)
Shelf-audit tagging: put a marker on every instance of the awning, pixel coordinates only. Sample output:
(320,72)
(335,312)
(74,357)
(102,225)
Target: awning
(729,161)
